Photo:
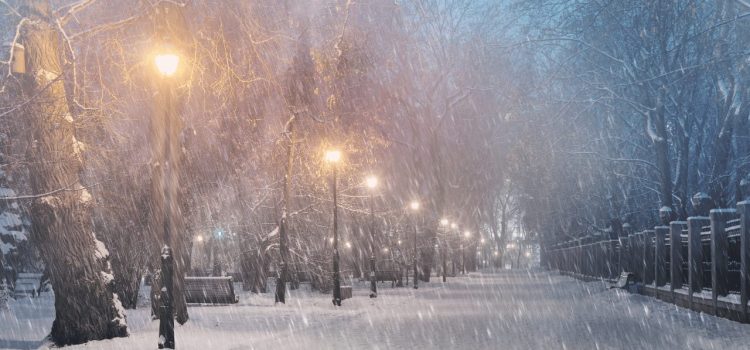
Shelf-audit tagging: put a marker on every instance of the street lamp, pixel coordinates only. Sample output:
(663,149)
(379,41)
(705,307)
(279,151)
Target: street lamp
(454,227)
(333,157)
(467,235)
(372,184)
(166,64)
(414,205)
(444,224)
(483,249)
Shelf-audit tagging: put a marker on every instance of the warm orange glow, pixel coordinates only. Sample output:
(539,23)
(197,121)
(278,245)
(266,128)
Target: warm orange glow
(414,205)
(371,181)
(167,63)
(332,156)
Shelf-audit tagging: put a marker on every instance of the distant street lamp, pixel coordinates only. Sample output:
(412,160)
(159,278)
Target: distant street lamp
(444,224)
(215,262)
(454,227)
(414,205)
(467,235)
(333,157)
(484,253)
(372,184)
(166,64)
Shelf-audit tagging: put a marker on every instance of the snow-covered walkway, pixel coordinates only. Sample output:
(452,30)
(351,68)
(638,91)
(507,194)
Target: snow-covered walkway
(503,310)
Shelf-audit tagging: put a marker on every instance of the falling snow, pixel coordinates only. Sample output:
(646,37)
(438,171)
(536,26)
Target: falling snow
(249,164)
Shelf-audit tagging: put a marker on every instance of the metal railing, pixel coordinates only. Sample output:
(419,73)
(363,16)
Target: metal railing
(709,254)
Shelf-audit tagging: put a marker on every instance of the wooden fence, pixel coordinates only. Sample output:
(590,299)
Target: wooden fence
(702,263)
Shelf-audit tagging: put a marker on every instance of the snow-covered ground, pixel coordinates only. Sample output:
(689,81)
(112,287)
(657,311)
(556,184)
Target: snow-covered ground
(503,310)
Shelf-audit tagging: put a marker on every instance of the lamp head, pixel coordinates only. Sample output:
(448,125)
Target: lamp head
(414,205)
(371,181)
(167,63)
(332,156)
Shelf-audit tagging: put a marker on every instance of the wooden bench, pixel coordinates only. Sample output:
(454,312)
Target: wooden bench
(625,280)
(209,290)
(392,276)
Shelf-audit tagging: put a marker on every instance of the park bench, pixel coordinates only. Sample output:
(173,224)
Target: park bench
(388,270)
(388,276)
(209,290)
(625,281)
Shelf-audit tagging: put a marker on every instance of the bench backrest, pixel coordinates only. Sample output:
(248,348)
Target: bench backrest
(209,290)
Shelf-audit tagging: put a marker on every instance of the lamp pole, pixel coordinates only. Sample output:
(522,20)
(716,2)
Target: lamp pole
(454,227)
(166,64)
(444,224)
(467,234)
(372,183)
(333,156)
(415,207)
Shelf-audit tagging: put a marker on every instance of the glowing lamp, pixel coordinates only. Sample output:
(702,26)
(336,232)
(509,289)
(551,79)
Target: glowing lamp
(167,63)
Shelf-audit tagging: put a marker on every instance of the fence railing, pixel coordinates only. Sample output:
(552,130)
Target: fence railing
(695,258)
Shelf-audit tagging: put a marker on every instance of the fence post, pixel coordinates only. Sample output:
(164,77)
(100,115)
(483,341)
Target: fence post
(660,262)
(695,255)
(744,210)
(675,255)
(648,256)
(622,252)
(628,253)
(637,258)
(719,253)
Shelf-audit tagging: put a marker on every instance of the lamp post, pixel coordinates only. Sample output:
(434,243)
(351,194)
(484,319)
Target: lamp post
(454,227)
(372,183)
(333,157)
(414,205)
(482,256)
(215,262)
(444,224)
(166,64)
(467,235)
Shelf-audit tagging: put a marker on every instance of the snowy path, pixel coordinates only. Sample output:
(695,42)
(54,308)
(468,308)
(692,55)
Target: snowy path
(505,310)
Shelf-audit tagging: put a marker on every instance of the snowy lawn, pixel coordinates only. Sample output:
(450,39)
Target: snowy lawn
(503,310)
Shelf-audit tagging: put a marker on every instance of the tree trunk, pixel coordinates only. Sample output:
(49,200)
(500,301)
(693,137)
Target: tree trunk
(681,183)
(127,285)
(661,150)
(85,306)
